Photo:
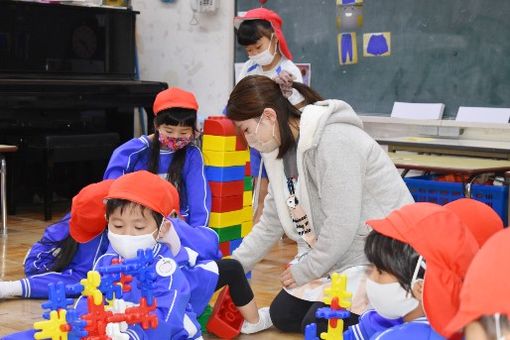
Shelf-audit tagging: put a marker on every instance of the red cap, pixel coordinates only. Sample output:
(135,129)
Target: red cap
(447,246)
(485,290)
(276,23)
(480,218)
(87,211)
(174,97)
(146,189)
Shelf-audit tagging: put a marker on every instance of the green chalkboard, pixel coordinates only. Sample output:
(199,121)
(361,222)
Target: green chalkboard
(452,51)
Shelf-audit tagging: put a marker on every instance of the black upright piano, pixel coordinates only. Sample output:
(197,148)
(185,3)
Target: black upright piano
(67,69)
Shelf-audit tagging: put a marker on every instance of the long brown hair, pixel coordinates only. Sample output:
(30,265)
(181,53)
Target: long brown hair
(253,94)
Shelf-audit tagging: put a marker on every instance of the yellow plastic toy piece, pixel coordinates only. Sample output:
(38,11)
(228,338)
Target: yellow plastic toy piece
(52,328)
(246,228)
(90,285)
(247,198)
(336,333)
(338,289)
(247,213)
(219,143)
(225,158)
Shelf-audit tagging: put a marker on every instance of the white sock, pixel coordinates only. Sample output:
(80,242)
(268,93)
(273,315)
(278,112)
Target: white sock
(10,289)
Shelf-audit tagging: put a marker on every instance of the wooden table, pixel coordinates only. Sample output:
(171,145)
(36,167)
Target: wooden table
(3,184)
(449,146)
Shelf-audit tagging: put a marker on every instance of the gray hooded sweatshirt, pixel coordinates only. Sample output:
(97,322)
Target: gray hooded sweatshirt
(345,178)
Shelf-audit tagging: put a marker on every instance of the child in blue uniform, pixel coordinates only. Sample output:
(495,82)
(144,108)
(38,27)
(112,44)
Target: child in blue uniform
(170,153)
(420,254)
(58,256)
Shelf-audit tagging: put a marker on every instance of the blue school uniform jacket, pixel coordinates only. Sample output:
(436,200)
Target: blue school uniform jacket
(41,257)
(373,326)
(195,196)
(176,318)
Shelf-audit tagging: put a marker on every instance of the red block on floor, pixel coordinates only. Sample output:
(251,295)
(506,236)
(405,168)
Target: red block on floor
(225,321)
(222,189)
(225,248)
(219,126)
(227,203)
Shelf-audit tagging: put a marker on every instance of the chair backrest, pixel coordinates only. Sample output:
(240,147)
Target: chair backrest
(417,110)
(483,114)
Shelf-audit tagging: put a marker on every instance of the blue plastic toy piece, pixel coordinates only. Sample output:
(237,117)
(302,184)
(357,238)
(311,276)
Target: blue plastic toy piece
(109,287)
(328,313)
(56,299)
(311,332)
(77,325)
(75,289)
(224,174)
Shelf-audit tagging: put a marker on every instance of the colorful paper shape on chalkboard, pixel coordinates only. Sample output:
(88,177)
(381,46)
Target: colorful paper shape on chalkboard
(348,2)
(377,44)
(347,48)
(349,17)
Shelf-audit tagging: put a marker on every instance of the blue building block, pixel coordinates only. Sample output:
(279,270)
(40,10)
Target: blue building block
(311,332)
(109,287)
(234,244)
(226,174)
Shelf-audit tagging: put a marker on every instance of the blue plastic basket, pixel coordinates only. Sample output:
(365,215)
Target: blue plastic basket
(426,189)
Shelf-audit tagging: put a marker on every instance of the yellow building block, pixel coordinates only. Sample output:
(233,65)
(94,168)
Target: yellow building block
(224,158)
(246,227)
(219,143)
(247,198)
(247,213)
(226,219)
(246,155)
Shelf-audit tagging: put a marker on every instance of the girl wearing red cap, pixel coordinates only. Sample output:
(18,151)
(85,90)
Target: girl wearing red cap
(260,32)
(171,153)
(327,177)
(64,254)
(484,312)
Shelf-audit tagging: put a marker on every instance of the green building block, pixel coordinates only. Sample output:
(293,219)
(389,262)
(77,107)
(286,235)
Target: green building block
(248,184)
(204,318)
(228,233)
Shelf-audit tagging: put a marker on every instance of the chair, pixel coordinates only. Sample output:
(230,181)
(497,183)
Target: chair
(70,148)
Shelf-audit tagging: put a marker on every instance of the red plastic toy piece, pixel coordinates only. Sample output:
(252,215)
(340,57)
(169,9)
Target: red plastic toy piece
(225,321)
(225,248)
(334,306)
(227,203)
(125,279)
(138,315)
(247,169)
(219,126)
(97,319)
(222,189)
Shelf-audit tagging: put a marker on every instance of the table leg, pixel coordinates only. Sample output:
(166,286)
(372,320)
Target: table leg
(3,186)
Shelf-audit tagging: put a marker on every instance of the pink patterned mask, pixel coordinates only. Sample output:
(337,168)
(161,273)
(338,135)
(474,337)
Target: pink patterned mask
(174,143)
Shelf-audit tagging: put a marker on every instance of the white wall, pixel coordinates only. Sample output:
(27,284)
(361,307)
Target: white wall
(198,58)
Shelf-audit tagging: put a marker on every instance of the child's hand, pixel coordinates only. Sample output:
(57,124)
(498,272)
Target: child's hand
(287,280)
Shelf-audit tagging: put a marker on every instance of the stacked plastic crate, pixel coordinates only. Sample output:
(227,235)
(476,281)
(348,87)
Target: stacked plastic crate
(227,169)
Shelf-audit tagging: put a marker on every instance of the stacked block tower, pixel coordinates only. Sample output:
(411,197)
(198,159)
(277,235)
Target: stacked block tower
(227,168)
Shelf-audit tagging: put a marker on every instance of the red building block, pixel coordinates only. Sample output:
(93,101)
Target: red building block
(241,143)
(227,203)
(225,321)
(222,189)
(247,169)
(225,248)
(219,126)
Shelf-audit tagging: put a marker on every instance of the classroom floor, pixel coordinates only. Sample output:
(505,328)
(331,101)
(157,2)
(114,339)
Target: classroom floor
(27,226)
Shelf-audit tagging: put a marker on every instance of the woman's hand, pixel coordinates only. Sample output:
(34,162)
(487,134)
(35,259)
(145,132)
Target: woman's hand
(287,280)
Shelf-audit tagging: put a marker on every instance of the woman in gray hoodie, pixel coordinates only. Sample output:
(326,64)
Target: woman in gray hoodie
(327,177)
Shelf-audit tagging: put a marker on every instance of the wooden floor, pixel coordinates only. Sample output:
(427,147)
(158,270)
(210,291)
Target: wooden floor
(27,226)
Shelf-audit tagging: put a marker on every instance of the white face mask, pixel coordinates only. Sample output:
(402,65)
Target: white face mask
(264,58)
(127,245)
(264,147)
(390,300)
